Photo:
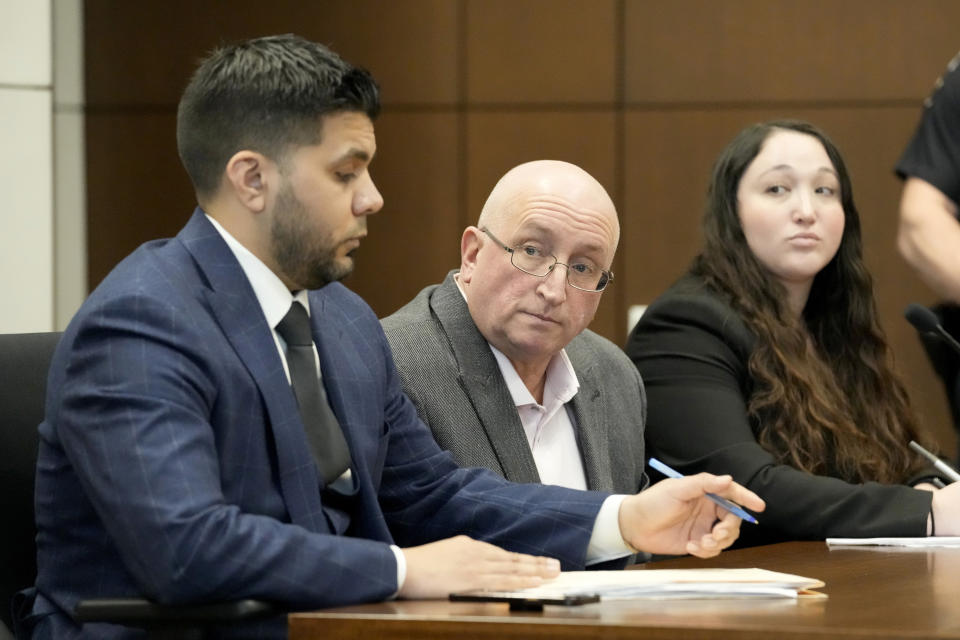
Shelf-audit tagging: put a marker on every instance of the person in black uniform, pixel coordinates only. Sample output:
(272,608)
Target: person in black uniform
(767,361)
(929,233)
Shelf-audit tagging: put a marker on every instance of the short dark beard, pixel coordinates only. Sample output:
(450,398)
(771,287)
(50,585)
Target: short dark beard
(305,256)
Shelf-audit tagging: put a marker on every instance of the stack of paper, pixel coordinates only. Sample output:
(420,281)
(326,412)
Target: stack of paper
(932,541)
(674,583)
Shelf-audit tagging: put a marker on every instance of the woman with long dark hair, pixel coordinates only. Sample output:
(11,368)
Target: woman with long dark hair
(767,361)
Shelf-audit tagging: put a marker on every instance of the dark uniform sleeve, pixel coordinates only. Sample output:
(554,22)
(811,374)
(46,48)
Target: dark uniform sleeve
(933,153)
(692,353)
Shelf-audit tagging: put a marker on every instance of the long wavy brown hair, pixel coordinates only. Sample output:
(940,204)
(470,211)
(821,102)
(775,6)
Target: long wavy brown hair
(826,398)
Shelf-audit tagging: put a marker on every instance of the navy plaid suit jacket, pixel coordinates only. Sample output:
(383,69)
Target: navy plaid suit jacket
(173,463)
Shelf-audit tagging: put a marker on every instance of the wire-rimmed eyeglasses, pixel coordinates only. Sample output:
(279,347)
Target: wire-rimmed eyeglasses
(532,260)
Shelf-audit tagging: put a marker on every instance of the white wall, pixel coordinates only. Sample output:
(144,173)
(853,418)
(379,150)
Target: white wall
(42,256)
(26,167)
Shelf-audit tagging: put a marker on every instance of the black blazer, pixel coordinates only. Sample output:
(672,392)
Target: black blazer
(692,350)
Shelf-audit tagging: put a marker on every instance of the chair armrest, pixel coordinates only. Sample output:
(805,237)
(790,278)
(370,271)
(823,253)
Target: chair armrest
(141,613)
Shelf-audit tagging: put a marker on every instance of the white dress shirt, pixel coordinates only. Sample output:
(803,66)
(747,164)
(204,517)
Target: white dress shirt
(549,427)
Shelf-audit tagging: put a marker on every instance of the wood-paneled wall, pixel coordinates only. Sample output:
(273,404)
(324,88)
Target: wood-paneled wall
(641,93)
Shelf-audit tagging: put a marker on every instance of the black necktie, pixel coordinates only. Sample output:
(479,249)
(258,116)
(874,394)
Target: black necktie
(323,431)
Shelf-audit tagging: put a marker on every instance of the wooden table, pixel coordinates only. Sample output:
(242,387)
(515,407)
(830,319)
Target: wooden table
(873,593)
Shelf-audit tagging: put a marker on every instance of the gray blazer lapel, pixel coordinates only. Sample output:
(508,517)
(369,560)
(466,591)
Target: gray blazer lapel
(480,379)
(592,426)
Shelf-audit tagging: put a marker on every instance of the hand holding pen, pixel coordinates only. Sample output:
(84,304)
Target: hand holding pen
(733,508)
(676,516)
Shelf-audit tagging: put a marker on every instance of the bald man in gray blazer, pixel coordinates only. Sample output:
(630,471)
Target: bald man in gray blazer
(497,358)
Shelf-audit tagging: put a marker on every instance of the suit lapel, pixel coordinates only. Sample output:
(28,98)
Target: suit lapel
(592,425)
(480,379)
(239,315)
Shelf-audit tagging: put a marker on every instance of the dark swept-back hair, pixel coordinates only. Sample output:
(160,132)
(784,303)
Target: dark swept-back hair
(266,95)
(826,398)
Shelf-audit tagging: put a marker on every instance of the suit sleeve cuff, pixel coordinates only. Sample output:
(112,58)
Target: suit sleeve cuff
(606,543)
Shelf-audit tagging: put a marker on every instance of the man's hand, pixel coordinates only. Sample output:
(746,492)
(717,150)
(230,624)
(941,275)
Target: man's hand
(437,569)
(675,516)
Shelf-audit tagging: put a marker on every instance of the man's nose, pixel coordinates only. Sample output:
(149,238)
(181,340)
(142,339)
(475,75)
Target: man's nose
(553,286)
(367,200)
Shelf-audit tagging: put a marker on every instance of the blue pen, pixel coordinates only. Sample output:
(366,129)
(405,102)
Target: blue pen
(733,508)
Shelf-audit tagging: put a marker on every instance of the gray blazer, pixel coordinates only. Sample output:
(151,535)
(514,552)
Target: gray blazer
(449,372)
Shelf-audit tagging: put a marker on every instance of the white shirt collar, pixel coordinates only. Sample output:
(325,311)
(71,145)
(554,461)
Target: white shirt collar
(560,386)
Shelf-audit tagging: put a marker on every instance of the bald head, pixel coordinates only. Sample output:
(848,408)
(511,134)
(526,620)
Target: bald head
(544,181)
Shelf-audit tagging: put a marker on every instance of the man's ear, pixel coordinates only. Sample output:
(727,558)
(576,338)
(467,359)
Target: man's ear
(247,175)
(469,247)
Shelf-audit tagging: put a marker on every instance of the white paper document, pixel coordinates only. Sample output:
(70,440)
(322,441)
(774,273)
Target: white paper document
(676,583)
(932,542)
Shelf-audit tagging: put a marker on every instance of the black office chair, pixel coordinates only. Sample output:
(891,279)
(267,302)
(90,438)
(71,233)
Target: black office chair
(24,361)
